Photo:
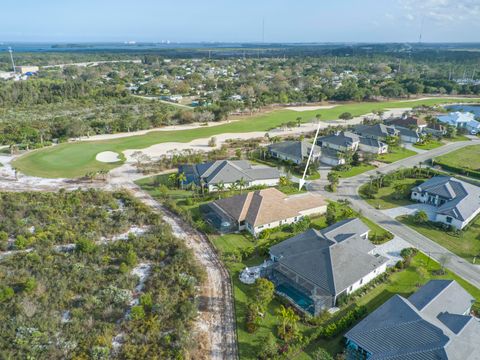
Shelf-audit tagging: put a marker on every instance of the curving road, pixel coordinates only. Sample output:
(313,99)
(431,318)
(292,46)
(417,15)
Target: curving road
(348,189)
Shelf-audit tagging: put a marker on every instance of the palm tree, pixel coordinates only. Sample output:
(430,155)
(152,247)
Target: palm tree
(172,178)
(181,178)
(242,183)
(283,312)
(317,117)
(299,121)
(219,186)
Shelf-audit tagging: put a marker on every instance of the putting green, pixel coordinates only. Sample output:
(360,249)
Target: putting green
(71,160)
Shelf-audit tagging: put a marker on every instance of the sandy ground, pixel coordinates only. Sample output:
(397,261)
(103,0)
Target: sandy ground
(108,157)
(143,132)
(310,108)
(166,148)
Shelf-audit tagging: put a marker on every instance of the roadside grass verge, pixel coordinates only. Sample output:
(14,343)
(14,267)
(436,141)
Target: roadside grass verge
(396,154)
(465,244)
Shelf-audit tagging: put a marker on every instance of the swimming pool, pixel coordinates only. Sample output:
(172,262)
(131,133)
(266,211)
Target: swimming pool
(301,299)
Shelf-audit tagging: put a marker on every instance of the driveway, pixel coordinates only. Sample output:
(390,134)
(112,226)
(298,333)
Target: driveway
(410,210)
(391,250)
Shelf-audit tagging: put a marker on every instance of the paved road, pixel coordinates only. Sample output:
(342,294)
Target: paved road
(348,189)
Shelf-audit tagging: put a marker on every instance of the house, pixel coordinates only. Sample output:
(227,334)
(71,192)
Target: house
(348,141)
(314,269)
(229,172)
(332,157)
(379,132)
(259,210)
(342,141)
(433,323)
(456,202)
(410,122)
(408,135)
(294,151)
(26,69)
(461,120)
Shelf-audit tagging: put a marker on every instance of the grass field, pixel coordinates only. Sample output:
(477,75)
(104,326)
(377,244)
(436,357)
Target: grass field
(76,159)
(467,158)
(432,144)
(355,170)
(387,197)
(396,154)
(465,245)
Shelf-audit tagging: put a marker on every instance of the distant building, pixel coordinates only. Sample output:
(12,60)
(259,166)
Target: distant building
(461,120)
(294,151)
(457,202)
(377,132)
(314,269)
(229,172)
(434,323)
(259,210)
(27,69)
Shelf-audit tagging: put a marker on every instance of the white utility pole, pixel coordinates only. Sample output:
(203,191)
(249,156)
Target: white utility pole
(302,180)
(11,57)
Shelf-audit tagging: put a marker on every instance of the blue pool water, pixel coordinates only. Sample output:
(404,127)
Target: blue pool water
(300,298)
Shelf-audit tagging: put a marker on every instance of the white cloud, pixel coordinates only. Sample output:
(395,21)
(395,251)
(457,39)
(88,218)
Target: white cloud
(441,11)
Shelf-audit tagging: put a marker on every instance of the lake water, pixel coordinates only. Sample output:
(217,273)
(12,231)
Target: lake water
(464,108)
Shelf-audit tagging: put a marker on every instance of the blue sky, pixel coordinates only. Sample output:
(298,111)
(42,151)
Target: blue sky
(228,20)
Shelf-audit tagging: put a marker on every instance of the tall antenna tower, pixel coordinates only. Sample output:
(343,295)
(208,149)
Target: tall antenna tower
(11,57)
(421,29)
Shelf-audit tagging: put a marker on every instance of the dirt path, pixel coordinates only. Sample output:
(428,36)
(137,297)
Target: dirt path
(216,321)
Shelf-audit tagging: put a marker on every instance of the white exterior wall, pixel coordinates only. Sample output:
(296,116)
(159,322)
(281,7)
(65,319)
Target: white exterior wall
(456,223)
(367,278)
(374,149)
(409,139)
(331,161)
(315,211)
(265,182)
(281,156)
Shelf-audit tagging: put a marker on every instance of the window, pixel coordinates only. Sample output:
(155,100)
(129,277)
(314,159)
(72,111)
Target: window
(242,223)
(449,219)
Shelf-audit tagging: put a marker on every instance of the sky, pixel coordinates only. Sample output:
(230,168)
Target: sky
(240,20)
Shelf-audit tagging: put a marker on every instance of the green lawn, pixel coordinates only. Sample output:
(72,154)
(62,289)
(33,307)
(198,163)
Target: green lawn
(76,159)
(467,158)
(388,197)
(396,154)
(355,170)
(430,145)
(465,245)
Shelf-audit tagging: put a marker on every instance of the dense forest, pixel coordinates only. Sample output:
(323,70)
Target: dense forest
(128,299)
(61,103)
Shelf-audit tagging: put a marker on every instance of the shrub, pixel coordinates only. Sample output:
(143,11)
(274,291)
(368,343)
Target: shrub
(6,293)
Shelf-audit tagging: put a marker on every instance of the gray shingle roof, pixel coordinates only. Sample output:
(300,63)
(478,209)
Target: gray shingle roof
(229,171)
(407,132)
(377,130)
(333,258)
(420,327)
(464,198)
(294,149)
(345,139)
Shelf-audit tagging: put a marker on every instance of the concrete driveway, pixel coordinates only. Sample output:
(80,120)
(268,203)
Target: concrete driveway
(410,210)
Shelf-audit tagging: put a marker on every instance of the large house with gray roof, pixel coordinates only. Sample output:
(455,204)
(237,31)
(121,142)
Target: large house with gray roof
(229,172)
(314,269)
(432,324)
(456,202)
(348,141)
(294,151)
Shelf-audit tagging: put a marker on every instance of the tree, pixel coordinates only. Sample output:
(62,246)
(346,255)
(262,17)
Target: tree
(181,178)
(288,324)
(220,186)
(317,117)
(242,183)
(212,142)
(420,217)
(263,292)
(269,347)
(345,116)
(321,354)
(299,121)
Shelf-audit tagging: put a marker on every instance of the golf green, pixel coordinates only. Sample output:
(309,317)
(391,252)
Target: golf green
(71,160)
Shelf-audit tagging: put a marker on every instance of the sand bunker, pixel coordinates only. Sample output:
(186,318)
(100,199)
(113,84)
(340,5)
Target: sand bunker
(108,157)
